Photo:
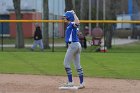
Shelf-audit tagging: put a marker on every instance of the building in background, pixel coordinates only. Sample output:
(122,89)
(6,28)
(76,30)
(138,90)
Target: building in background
(125,30)
(31,10)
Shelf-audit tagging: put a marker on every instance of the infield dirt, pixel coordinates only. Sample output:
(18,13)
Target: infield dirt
(14,83)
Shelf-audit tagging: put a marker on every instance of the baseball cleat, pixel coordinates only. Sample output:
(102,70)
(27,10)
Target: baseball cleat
(68,84)
(81,86)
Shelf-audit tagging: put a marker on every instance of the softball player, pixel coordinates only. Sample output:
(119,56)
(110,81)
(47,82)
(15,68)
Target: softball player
(37,39)
(74,48)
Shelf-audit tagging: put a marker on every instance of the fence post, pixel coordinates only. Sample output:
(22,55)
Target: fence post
(2,36)
(53,39)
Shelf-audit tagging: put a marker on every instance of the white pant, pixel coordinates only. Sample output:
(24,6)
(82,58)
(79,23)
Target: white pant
(38,42)
(73,52)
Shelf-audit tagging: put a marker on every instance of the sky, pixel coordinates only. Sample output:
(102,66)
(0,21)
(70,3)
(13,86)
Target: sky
(55,6)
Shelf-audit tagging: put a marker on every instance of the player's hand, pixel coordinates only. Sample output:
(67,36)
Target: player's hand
(73,11)
(36,37)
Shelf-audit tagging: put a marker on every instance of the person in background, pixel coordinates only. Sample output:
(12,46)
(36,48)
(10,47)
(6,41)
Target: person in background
(82,40)
(37,38)
(86,31)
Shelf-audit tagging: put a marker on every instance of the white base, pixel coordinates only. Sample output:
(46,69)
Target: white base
(69,88)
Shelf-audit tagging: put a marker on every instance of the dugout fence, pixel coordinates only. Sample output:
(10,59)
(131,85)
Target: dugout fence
(122,40)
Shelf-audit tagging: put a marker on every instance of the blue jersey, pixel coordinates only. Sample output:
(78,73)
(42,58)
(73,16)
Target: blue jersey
(71,33)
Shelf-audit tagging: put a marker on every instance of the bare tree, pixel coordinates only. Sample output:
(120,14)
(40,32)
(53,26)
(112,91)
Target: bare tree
(19,32)
(83,13)
(68,5)
(45,25)
(77,7)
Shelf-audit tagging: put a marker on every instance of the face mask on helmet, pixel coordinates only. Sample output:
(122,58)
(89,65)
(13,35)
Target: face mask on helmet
(69,16)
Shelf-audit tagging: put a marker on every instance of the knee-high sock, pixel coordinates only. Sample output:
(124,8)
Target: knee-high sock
(69,74)
(80,73)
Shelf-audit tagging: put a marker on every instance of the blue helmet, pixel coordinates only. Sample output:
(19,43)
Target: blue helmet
(69,16)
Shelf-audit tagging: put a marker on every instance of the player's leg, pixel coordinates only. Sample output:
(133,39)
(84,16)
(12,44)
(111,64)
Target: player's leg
(67,60)
(79,71)
(34,45)
(41,44)
(78,66)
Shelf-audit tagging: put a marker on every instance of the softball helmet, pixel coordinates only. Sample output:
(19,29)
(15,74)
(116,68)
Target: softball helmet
(69,16)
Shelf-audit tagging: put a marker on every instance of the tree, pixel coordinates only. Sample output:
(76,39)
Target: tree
(45,25)
(69,5)
(77,7)
(19,32)
(113,8)
(83,13)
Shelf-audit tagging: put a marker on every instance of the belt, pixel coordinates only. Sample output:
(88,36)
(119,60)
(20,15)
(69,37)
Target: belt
(71,42)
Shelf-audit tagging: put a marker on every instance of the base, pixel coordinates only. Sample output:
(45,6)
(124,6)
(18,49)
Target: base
(69,88)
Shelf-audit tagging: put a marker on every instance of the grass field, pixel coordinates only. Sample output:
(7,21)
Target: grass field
(108,65)
(126,48)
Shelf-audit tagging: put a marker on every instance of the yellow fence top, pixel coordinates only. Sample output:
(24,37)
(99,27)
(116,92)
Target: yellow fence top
(82,21)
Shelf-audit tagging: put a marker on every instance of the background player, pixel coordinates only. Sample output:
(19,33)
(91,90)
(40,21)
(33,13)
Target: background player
(74,48)
(37,38)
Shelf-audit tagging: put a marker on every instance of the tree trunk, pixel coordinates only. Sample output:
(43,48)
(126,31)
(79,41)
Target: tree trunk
(83,13)
(45,25)
(77,7)
(111,15)
(69,5)
(109,34)
(19,32)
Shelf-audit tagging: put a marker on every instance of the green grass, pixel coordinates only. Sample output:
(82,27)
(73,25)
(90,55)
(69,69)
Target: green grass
(107,65)
(30,40)
(129,48)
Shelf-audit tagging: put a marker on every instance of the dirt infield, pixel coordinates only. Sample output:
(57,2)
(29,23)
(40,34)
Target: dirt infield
(13,83)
